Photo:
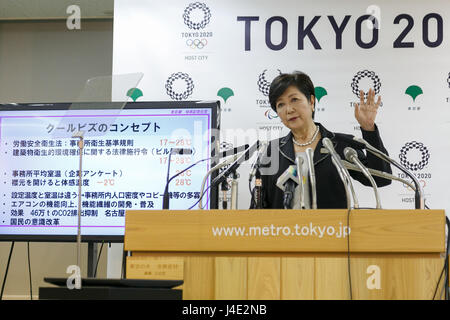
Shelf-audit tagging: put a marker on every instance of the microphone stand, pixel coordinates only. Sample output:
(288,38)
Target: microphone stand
(351,155)
(344,181)
(166,189)
(258,189)
(79,135)
(419,200)
(216,167)
(234,190)
(288,194)
(224,188)
(377,173)
(232,169)
(256,172)
(343,173)
(299,163)
(312,176)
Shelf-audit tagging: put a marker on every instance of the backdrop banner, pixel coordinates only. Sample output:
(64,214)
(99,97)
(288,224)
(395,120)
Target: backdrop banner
(231,50)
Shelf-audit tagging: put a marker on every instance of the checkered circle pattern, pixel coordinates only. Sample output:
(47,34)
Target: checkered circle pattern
(189,86)
(414,145)
(365,74)
(187,16)
(263,84)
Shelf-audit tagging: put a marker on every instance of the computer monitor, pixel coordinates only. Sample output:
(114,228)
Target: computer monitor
(124,165)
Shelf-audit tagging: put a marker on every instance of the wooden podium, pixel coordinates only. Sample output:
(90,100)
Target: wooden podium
(290,254)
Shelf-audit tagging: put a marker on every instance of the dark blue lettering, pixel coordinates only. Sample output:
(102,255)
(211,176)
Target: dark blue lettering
(358,36)
(248,21)
(440,31)
(303,32)
(398,43)
(339,29)
(284,31)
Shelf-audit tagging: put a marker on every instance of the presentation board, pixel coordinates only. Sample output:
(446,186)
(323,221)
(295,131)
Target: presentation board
(124,165)
(397,48)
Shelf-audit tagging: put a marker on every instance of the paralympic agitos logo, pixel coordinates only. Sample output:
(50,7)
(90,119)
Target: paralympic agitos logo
(270,114)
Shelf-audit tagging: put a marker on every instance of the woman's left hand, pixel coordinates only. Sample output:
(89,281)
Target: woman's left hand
(366,111)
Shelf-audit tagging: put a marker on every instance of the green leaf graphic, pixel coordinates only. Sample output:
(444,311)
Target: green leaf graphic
(320,92)
(225,93)
(134,93)
(414,91)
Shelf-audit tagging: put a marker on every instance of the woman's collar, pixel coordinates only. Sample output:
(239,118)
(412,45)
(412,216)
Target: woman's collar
(323,132)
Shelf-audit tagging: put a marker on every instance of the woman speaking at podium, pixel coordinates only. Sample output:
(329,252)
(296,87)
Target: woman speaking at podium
(292,97)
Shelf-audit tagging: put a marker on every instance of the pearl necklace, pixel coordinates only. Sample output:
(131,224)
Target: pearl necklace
(309,142)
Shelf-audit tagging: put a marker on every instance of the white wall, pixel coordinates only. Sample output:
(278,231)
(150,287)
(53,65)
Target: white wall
(44,62)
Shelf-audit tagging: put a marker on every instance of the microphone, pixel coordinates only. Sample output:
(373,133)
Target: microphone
(233,151)
(258,191)
(180,151)
(287,182)
(343,173)
(243,157)
(351,140)
(419,200)
(166,189)
(377,173)
(256,164)
(224,188)
(255,172)
(352,156)
(299,164)
(312,176)
(216,167)
(232,169)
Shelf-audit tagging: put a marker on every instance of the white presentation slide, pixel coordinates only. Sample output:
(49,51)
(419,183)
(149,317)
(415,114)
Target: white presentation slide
(124,166)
